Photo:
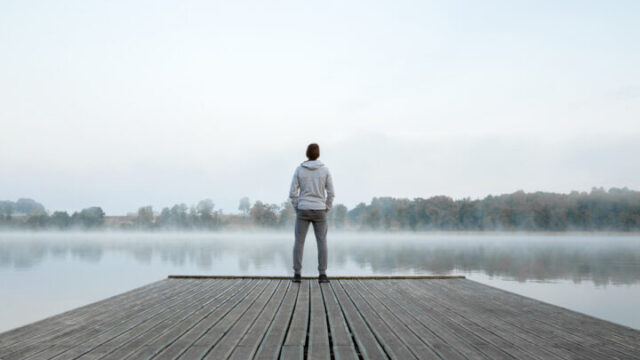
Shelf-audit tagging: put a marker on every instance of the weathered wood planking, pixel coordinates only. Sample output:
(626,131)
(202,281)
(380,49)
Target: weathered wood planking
(256,317)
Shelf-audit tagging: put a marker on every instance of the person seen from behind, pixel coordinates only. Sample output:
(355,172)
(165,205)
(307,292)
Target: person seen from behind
(312,196)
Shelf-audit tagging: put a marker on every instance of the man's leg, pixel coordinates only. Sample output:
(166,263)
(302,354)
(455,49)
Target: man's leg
(320,230)
(302,226)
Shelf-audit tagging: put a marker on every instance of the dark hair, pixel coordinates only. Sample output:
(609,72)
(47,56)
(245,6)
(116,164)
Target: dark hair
(313,151)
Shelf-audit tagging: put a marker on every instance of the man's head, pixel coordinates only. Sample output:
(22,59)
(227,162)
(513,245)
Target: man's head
(313,151)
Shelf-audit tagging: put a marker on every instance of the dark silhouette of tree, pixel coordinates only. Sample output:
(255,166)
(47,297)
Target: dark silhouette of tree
(207,217)
(6,207)
(338,216)
(356,214)
(179,216)
(89,218)
(617,209)
(164,219)
(37,221)
(60,219)
(28,206)
(244,205)
(287,215)
(22,207)
(264,214)
(145,219)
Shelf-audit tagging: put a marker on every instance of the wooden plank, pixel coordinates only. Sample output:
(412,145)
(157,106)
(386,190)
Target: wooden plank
(564,319)
(232,337)
(535,321)
(341,352)
(17,335)
(508,339)
(420,336)
(251,277)
(84,330)
(394,347)
(219,326)
(272,343)
(294,344)
(36,346)
(49,327)
(367,343)
(342,344)
(262,318)
(178,338)
(139,335)
(444,340)
(250,342)
(510,345)
(495,316)
(79,347)
(477,342)
(318,332)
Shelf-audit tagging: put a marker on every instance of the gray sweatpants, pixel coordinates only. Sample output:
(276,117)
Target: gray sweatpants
(319,220)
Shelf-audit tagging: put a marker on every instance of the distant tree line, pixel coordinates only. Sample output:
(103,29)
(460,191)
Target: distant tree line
(180,216)
(21,207)
(598,210)
(37,218)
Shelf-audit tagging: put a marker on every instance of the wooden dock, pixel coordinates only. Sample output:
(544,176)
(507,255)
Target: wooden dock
(349,318)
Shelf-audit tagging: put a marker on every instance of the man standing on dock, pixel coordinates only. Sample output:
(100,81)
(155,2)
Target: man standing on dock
(310,181)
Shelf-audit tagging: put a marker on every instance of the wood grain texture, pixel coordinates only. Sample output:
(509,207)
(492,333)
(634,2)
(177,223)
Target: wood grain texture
(256,317)
(403,277)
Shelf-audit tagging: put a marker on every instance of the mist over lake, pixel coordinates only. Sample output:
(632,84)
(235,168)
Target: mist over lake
(493,140)
(44,273)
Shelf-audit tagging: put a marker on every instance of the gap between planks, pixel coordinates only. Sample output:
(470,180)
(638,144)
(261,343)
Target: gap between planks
(256,277)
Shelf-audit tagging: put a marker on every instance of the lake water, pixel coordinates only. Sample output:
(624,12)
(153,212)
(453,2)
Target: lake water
(42,274)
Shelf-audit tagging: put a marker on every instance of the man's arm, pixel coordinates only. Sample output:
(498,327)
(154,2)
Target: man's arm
(330,191)
(294,190)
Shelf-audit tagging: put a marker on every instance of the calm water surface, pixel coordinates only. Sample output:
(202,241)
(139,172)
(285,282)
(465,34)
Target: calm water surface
(42,274)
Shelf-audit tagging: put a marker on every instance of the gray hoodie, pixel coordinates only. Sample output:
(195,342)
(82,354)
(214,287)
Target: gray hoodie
(308,186)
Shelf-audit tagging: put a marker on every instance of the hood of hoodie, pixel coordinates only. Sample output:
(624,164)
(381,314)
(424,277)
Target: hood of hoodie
(312,164)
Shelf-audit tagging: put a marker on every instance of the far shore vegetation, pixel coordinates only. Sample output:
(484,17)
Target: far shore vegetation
(616,209)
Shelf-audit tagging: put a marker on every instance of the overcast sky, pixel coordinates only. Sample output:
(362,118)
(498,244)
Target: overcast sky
(128,103)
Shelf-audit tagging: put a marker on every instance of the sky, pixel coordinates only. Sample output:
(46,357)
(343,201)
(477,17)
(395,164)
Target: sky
(122,104)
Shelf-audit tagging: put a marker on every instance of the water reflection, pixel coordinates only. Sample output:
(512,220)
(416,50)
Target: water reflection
(603,259)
